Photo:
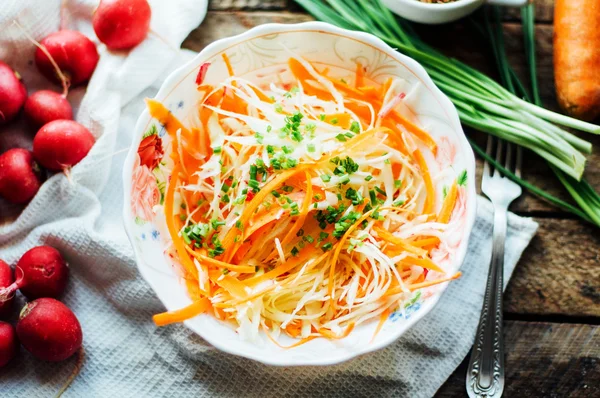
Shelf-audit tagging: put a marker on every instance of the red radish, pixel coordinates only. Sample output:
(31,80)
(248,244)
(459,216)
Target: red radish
(61,144)
(41,272)
(45,106)
(9,345)
(75,55)
(12,93)
(6,279)
(122,24)
(49,330)
(19,175)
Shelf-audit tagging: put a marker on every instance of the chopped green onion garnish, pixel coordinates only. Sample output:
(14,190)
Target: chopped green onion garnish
(381,191)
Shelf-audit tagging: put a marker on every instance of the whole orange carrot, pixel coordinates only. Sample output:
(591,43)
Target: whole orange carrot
(577,57)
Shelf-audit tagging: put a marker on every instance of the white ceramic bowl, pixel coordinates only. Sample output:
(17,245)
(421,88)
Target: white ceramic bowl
(437,13)
(257,55)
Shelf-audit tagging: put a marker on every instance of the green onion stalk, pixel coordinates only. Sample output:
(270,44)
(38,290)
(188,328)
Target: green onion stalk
(481,102)
(584,195)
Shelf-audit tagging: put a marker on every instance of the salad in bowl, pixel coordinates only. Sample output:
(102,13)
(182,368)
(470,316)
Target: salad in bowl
(299,194)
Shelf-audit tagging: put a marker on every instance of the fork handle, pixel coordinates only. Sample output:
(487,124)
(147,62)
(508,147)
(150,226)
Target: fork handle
(485,376)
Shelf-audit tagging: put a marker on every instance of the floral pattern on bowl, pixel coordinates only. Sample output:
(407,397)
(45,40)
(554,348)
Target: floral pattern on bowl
(258,55)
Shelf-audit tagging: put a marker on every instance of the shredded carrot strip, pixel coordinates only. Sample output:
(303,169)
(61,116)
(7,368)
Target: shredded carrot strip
(370,91)
(242,269)
(339,119)
(360,74)
(187,263)
(235,287)
(422,285)
(227,64)
(399,242)
(416,131)
(299,343)
(303,212)
(303,256)
(194,289)
(353,142)
(261,221)
(422,262)
(448,205)
(336,254)
(426,242)
(192,310)
(347,89)
(382,318)
(261,95)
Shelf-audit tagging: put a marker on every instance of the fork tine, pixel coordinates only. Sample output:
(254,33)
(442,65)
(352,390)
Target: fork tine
(499,150)
(518,161)
(486,165)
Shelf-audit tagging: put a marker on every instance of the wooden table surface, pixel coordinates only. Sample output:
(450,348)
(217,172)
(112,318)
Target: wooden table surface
(552,304)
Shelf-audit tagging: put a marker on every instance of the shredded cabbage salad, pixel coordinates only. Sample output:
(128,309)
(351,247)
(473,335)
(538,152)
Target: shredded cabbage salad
(304,208)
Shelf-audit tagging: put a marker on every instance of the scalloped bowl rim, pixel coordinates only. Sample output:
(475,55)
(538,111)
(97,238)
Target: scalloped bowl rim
(271,28)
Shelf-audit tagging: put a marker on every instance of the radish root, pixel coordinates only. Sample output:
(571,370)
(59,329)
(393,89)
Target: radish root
(171,46)
(74,373)
(69,175)
(64,79)
(63,13)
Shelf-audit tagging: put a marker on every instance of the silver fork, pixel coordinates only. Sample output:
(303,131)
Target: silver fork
(485,375)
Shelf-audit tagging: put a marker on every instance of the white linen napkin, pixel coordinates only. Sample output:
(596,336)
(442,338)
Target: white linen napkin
(125,354)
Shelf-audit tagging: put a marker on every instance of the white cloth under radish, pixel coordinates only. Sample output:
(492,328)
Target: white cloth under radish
(126,355)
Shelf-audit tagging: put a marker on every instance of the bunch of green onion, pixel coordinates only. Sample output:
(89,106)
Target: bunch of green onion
(587,199)
(508,111)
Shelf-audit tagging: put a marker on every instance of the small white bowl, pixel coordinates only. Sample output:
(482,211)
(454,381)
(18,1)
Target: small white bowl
(438,13)
(259,55)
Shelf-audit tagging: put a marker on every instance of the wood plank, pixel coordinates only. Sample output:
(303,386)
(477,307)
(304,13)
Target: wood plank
(543,360)
(248,5)
(544,12)
(218,25)
(559,273)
